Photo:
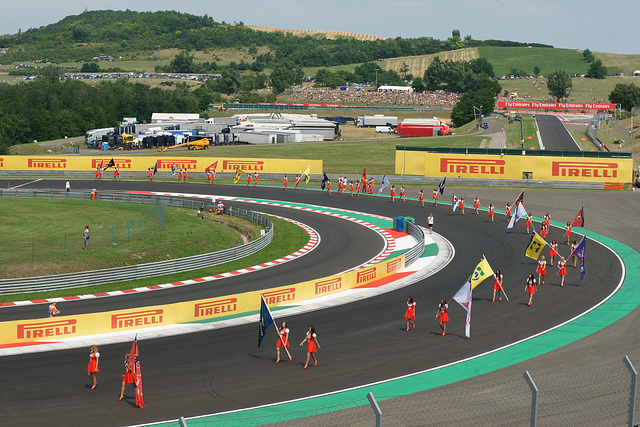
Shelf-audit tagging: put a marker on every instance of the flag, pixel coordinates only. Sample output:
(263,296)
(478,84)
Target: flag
(385,182)
(212,167)
(266,320)
(481,272)
(536,245)
(174,169)
(325,178)
(109,164)
(578,221)
(155,168)
(363,178)
(518,213)
(519,199)
(306,174)
(102,164)
(455,202)
(579,252)
(464,298)
(441,186)
(239,174)
(134,364)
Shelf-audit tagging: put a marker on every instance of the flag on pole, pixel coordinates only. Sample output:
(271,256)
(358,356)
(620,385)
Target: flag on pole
(325,178)
(464,297)
(518,213)
(481,272)
(239,173)
(174,169)
(578,221)
(134,364)
(441,186)
(519,199)
(155,168)
(455,202)
(536,245)
(306,174)
(102,164)
(109,164)
(266,320)
(579,252)
(385,182)
(363,178)
(212,167)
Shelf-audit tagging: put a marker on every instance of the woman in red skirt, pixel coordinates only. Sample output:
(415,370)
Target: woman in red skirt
(553,251)
(435,197)
(529,222)
(410,313)
(508,209)
(128,377)
(567,232)
(421,199)
(461,206)
(542,269)
(442,315)
(312,346)
(393,194)
(491,212)
(93,367)
(402,194)
(530,288)
(543,230)
(497,286)
(574,259)
(547,220)
(283,341)
(476,205)
(562,266)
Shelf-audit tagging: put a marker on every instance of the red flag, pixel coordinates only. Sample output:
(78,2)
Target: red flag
(520,199)
(211,167)
(578,221)
(134,363)
(364,176)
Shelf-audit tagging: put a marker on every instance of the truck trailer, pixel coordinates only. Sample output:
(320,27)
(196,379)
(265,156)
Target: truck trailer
(376,120)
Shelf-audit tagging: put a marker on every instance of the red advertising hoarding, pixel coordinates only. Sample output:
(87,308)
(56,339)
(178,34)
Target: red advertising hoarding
(556,105)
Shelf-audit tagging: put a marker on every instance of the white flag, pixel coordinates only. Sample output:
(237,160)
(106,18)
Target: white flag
(455,202)
(464,297)
(174,168)
(518,213)
(385,182)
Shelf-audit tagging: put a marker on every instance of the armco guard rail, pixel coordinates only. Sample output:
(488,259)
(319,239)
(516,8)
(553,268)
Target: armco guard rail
(415,252)
(160,268)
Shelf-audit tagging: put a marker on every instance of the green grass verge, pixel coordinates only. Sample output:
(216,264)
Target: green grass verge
(288,238)
(548,60)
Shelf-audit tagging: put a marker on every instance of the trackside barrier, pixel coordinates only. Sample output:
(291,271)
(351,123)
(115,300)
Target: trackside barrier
(415,252)
(160,268)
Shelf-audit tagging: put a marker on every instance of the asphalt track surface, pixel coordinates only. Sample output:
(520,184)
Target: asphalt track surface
(361,342)
(554,134)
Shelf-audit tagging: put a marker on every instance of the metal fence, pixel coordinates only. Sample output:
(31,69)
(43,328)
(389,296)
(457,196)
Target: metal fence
(160,268)
(415,252)
(592,129)
(602,395)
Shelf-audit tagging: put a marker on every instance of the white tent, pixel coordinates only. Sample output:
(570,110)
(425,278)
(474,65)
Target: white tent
(636,73)
(385,88)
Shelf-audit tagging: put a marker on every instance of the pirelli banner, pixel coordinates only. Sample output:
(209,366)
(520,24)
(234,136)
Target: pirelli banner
(16,333)
(482,166)
(165,164)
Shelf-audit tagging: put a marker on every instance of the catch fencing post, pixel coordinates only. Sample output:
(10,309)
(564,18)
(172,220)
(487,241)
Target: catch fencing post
(376,409)
(534,398)
(634,388)
(182,422)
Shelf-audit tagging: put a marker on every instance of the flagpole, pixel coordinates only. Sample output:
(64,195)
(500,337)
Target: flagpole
(277,330)
(505,294)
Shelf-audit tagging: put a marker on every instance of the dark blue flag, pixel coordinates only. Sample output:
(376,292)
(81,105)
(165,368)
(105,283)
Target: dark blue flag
(579,252)
(442,184)
(325,178)
(266,320)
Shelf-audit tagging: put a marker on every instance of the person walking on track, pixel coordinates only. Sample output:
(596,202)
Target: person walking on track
(410,314)
(283,341)
(442,315)
(312,346)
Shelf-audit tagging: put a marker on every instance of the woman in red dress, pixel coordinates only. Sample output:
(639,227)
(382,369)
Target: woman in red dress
(185,176)
(491,212)
(508,209)
(530,288)
(562,266)
(497,286)
(248,180)
(567,232)
(329,187)
(358,188)
(547,220)
(529,222)
(351,188)
(442,315)
(283,341)
(393,194)
(402,194)
(312,346)
(543,230)
(461,206)
(421,199)
(553,251)
(286,183)
(410,313)
(435,197)
(542,269)
(93,368)
(476,205)
(297,187)
(574,259)
(128,377)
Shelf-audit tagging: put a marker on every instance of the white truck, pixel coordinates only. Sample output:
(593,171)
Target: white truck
(376,120)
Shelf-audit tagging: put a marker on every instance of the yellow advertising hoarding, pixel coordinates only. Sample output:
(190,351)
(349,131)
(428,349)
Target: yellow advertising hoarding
(543,168)
(165,164)
(52,329)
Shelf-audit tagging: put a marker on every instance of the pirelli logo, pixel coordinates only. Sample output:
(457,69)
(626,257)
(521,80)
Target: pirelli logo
(245,165)
(472,166)
(1,162)
(121,163)
(366,275)
(584,169)
(133,319)
(180,163)
(280,296)
(46,163)
(216,307)
(394,266)
(329,285)
(50,329)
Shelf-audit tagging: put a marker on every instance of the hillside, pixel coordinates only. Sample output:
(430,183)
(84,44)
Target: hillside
(331,35)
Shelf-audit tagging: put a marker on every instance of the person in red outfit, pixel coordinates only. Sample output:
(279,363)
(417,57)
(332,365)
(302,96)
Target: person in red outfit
(283,341)
(553,251)
(562,266)
(410,313)
(128,377)
(529,222)
(461,206)
(402,194)
(497,286)
(312,346)
(442,315)
(567,232)
(476,205)
(491,212)
(286,183)
(574,259)
(393,194)
(435,197)
(530,288)
(93,367)
(421,199)
(542,269)
(508,209)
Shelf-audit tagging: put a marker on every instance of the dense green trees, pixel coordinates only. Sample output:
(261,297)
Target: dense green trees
(285,74)
(460,76)
(627,95)
(559,84)
(463,111)
(597,70)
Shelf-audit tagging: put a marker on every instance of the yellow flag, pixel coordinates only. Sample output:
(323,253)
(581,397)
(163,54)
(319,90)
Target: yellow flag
(536,245)
(239,174)
(306,174)
(481,272)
